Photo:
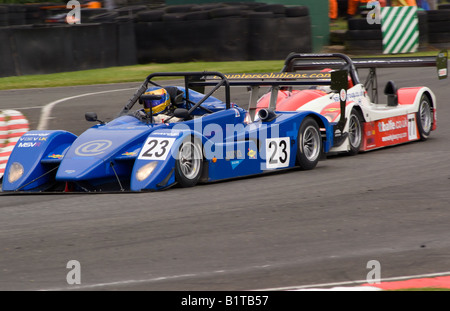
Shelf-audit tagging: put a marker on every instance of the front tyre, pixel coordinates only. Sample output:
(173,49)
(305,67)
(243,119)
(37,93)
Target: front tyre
(309,144)
(189,162)
(425,117)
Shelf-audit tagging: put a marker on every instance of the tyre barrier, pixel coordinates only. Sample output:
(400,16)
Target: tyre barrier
(221,32)
(363,37)
(3,16)
(13,125)
(17,14)
(42,49)
(136,34)
(439,25)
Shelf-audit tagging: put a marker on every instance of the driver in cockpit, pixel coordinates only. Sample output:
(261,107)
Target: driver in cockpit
(160,109)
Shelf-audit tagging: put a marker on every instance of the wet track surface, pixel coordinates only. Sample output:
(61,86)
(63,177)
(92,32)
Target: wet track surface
(283,229)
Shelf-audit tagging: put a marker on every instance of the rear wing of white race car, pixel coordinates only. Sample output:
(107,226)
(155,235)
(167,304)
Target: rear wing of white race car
(300,62)
(336,80)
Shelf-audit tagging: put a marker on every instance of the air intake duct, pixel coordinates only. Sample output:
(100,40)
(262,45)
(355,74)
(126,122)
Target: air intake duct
(266,115)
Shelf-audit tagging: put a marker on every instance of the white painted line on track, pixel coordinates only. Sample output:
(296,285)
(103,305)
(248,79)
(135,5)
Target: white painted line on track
(32,107)
(337,285)
(158,279)
(47,109)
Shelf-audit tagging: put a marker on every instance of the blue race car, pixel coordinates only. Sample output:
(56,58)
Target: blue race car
(179,136)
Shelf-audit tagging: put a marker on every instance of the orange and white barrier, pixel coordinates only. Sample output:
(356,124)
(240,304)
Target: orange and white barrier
(13,125)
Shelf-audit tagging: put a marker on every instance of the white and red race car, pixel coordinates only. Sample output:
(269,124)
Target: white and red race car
(408,115)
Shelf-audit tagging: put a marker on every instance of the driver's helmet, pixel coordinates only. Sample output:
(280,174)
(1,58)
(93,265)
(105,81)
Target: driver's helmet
(158,105)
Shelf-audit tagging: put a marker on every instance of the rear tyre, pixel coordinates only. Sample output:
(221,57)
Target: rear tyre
(189,162)
(355,132)
(425,117)
(309,144)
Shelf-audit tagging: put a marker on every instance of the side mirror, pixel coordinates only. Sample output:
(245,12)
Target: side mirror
(92,117)
(339,83)
(182,113)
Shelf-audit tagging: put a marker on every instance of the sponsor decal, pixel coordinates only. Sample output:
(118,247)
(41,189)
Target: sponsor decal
(28,145)
(233,154)
(390,131)
(235,163)
(93,148)
(278,75)
(172,132)
(128,153)
(353,95)
(36,134)
(56,156)
(251,153)
(32,138)
(343,95)
(391,124)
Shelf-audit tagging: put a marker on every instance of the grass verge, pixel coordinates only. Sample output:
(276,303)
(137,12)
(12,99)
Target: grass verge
(137,73)
(134,73)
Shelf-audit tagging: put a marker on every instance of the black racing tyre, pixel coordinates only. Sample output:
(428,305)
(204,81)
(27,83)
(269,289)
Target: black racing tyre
(198,15)
(374,34)
(180,8)
(225,12)
(309,146)
(259,15)
(438,15)
(361,24)
(150,16)
(361,45)
(189,162)
(439,37)
(355,132)
(173,16)
(87,13)
(440,26)
(425,117)
(207,7)
(130,10)
(274,8)
(297,11)
(104,17)
(124,19)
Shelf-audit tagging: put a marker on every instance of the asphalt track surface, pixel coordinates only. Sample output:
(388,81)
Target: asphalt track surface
(293,228)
